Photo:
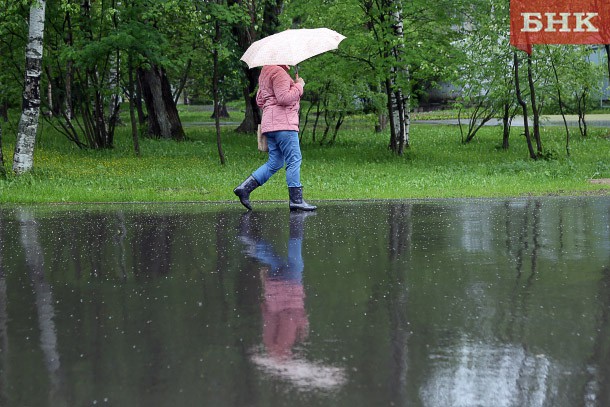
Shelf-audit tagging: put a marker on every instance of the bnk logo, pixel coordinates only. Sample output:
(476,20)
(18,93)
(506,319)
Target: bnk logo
(559,22)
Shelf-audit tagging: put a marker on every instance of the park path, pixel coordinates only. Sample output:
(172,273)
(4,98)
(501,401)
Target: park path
(593,120)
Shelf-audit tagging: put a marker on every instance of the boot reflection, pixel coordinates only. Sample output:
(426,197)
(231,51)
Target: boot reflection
(285,320)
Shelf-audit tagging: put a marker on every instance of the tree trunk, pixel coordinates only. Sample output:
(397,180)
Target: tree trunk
(506,126)
(223,112)
(535,111)
(2,170)
(215,81)
(23,160)
(338,124)
(132,115)
(391,116)
(69,39)
(4,111)
(272,9)
(138,102)
(481,114)
(253,114)
(607,47)
(399,100)
(50,97)
(163,119)
(382,122)
(183,81)
(115,99)
(560,101)
(581,108)
(315,123)
(304,127)
(528,138)
(68,102)
(245,37)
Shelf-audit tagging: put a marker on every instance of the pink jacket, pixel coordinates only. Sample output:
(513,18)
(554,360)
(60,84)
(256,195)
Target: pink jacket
(278,95)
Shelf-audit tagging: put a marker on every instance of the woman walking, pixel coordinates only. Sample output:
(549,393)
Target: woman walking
(279,96)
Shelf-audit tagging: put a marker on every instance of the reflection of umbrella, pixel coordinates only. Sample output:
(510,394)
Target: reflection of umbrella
(302,373)
(291,46)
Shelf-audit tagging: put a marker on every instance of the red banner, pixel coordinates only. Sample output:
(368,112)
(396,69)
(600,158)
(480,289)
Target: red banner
(559,22)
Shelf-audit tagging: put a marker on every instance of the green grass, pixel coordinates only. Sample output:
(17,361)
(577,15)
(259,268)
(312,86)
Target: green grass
(358,166)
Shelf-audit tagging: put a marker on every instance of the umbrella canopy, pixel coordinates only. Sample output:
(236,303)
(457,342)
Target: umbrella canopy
(291,46)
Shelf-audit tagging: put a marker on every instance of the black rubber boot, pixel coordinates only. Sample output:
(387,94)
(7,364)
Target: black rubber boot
(248,233)
(297,223)
(243,191)
(297,203)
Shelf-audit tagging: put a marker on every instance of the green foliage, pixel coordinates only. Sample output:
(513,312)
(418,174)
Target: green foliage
(13,36)
(577,77)
(465,42)
(358,166)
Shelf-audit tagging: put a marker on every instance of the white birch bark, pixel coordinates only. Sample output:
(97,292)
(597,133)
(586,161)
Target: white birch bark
(23,160)
(3,327)
(403,96)
(34,258)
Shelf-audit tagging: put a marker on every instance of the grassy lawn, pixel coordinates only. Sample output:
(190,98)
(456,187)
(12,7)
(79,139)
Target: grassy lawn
(357,166)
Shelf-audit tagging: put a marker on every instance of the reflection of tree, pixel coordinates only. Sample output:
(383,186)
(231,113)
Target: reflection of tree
(520,296)
(82,244)
(153,246)
(97,233)
(34,258)
(480,372)
(400,234)
(119,239)
(597,388)
(528,236)
(3,320)
(484,374)
(401,230)
(504,372)
(67,239)
(222,244)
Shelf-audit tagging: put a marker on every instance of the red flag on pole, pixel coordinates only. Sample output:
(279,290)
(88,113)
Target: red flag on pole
(559,22)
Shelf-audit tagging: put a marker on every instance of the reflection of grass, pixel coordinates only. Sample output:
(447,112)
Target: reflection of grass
(359,165)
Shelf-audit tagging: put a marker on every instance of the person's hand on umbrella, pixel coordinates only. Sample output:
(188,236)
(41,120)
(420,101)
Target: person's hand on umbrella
(300,80)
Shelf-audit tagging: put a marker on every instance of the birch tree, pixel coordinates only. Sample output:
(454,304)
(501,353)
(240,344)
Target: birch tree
(397,86)
(412,40)
(23,160)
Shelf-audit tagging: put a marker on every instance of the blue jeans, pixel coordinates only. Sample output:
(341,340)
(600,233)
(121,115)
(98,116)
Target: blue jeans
(283,148)
(288,268)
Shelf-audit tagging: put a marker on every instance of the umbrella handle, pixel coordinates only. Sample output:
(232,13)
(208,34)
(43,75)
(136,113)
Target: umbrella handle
(296,70)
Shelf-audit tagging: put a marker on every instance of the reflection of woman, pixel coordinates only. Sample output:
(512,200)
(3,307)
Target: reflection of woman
(279,96)
(284,318)
(285,321)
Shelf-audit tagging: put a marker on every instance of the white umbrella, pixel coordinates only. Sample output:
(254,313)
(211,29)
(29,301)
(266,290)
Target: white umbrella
(291,46)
